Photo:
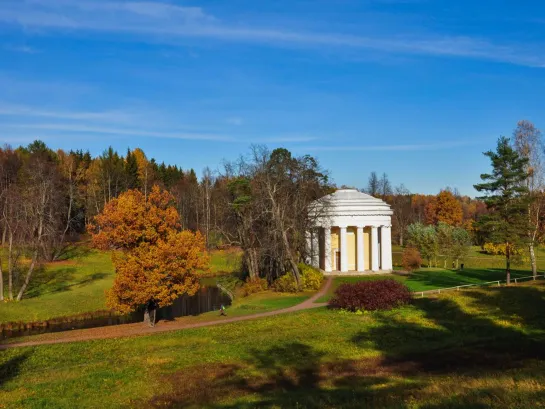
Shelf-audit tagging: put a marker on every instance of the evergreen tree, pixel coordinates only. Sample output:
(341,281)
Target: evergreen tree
(131,169)
(506,196)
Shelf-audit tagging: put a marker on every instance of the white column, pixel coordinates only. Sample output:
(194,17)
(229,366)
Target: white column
(344,250)
(386,251)
(359,251)
(315,255)
(327,249)
(374,248)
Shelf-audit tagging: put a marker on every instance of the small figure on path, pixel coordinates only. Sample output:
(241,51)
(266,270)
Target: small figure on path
(222,311)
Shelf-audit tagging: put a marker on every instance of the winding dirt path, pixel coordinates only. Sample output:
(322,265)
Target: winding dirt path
(135,329)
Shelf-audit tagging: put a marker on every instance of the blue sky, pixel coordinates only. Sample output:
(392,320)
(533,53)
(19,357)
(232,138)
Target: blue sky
(415,88)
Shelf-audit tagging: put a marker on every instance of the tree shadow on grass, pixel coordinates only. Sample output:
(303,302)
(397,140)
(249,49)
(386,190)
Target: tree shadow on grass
(286,376)
(524,304)
(456,340)
(422,364)
(73,251)
(455,278)
(10,369)
(48,281)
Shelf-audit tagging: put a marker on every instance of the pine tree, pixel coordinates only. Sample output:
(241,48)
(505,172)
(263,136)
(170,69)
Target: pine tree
(506,197)
(131,169)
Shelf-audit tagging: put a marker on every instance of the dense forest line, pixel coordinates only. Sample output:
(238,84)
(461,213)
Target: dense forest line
(81,185)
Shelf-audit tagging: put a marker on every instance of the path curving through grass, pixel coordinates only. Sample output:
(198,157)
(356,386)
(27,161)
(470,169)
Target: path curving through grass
(136,329)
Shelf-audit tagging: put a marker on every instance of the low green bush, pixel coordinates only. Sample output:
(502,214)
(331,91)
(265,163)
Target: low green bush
(311,277)
(253,285)
(311,280)
(285,284)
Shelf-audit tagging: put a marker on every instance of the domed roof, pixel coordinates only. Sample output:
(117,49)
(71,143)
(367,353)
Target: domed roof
(352,195)
(351,202)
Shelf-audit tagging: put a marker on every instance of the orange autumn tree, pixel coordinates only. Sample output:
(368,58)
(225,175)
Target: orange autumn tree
(158,272)
(132,219)
(157,262)
(444,208)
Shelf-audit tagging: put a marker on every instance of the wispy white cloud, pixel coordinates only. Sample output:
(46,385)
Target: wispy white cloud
(395,147)
(25,49)
(167,22)
(28,111)
(288,139)
(71,129)
(235,121)
(98,130)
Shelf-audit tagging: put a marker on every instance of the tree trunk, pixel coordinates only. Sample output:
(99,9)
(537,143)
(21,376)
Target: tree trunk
(1,282)
(4,233)
(68,220)
(508,264)
(150,315)
(251,262)
(290,259)
(28,275)
(533,259)
(10,266)
(401,238)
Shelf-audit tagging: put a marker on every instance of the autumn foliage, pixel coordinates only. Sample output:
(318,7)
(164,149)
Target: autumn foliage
(411,259)
(444,208)
(132,219)
(158,262)
(160,272)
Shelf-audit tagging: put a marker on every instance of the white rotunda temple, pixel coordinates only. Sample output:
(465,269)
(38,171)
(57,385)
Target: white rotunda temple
(352,233)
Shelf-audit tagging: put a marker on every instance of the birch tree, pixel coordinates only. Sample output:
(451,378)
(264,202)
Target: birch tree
(527,141)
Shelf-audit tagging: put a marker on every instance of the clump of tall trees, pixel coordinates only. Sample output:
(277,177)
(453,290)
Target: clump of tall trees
(47,198)
(36,214)
(448,206)
(267,209)
(441,241)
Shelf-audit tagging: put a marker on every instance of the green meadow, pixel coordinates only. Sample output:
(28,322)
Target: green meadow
(478,348)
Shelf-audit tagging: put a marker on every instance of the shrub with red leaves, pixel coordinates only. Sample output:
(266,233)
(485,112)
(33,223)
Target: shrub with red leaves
(371,295)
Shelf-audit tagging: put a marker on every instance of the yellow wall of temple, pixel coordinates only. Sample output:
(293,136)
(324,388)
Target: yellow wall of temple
(335,245)
(351,247)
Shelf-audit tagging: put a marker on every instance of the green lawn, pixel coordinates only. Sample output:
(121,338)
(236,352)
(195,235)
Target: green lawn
(475,349)
(431,278)
(477,259)
(64,288)
(225,261)
(78,285)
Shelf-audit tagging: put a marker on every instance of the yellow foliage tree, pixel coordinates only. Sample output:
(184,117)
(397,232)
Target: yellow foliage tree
(159,272)
(132,219)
